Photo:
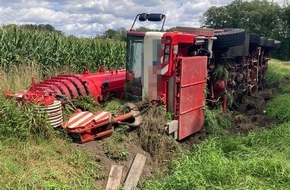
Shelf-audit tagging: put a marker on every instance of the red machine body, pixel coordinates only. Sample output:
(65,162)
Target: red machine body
(175,67)
(183,79)
(85,126)
(98,85)
(176,72)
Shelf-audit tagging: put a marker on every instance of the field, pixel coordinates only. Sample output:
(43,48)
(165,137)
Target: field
(52,50)
(243,149)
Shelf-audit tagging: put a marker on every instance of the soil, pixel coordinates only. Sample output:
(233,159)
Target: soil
(150,138)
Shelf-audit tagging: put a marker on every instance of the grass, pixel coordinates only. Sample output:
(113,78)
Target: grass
(279,103)
(10,79)
(216,121)
(258,160)
(32,154)
(115,147)
(277,70)
(45,164)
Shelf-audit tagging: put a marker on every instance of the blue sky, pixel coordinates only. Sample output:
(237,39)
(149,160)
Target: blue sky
(92,17)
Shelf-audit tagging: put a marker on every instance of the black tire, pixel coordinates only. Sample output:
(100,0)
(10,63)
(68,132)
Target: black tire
(254,39)
(197,31)
(277,44)
(268,44)
(228,38)
(263,41)
(271,42)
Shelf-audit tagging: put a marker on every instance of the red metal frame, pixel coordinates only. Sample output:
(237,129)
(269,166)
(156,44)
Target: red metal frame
(98,85)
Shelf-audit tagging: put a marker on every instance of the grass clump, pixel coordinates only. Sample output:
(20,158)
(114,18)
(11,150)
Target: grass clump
(153,137)
(216,121)
(21,121)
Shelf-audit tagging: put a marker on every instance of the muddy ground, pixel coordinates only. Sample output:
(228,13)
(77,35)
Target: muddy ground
(150,138)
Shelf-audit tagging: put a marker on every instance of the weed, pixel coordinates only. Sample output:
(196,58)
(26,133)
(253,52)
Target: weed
(216,121)
(21,121)
(220,73)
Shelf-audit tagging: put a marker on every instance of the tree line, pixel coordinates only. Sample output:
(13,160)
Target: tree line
(262,17)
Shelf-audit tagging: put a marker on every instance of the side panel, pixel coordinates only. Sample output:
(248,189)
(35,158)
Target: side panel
(193,75)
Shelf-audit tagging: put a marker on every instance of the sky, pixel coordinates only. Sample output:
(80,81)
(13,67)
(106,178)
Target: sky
(89,18)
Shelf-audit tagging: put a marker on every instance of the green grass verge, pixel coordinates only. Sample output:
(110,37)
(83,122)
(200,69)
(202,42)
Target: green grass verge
(257,161)
(279,107)
(45,164)
(277,70)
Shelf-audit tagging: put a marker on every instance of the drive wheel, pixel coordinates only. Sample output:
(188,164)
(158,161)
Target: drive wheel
(228,38)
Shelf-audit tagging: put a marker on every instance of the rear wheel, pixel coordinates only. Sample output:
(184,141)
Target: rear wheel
(228,38)
(254,39)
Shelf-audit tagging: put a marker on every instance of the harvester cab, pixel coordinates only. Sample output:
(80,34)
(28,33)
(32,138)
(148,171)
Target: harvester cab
(170,67)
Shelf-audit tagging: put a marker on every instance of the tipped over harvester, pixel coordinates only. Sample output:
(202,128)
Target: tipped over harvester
(175,68)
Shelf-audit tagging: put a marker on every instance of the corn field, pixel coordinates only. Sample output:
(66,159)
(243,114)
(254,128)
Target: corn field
(49,49)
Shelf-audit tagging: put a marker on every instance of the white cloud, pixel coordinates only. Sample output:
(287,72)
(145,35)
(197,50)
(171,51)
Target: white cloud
(91,17)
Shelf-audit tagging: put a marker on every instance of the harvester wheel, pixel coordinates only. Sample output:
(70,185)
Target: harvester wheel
(277,44)
(263,41)
(228,38)
(254,39)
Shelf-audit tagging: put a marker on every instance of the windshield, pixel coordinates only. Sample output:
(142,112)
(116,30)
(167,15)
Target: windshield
(135,49)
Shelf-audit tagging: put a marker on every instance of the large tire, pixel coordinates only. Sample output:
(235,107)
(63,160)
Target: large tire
(229,38)
(263,41)
(277,44)
(269,44)
(254,39)
(197,31)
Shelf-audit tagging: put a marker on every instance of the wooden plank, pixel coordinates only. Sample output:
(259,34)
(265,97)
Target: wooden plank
(114,179)
(135,172)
